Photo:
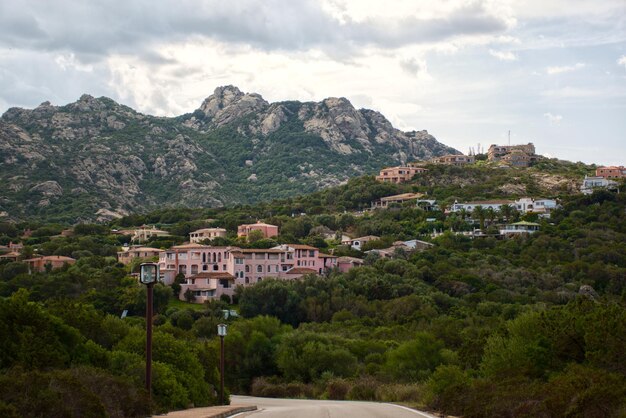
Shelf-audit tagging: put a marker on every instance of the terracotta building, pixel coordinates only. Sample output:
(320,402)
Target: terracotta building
(267,230)
(399,174)
(39,264)
(612,172)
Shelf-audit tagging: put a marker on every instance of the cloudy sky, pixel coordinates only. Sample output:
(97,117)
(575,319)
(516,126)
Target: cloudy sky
(553,72)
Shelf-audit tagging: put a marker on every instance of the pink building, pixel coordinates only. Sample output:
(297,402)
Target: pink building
(53,261)
(398,174)
(267,229)
(207,286)
(206,233)
(344,264)
(213,271)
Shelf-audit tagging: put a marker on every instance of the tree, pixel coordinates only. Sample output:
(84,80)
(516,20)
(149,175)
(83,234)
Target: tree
(480,214)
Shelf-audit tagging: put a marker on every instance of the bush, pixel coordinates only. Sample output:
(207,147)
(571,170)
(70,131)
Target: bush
(337,389)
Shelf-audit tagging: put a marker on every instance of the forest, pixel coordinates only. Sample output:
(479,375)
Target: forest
(528,327)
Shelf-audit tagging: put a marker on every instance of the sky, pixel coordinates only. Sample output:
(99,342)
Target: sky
(551,72)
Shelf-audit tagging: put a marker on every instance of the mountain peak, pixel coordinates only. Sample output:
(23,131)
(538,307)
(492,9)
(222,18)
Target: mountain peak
(228,103)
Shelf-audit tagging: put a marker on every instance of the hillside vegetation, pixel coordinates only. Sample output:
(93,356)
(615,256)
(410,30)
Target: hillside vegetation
(524,327)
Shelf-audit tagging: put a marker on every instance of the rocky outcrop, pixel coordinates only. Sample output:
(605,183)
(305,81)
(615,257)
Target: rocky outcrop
(94,159)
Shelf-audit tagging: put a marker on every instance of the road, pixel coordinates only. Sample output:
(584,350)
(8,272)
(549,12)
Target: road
(301,408)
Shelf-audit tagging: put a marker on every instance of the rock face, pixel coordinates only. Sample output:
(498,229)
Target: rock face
(95,159)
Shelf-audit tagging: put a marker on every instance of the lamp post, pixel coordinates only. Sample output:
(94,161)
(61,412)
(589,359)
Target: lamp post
(149,274)
(222,331)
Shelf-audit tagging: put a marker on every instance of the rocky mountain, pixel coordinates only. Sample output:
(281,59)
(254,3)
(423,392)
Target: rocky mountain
(96,159)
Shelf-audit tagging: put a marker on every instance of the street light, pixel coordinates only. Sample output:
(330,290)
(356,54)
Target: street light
(149,274)
(222,331)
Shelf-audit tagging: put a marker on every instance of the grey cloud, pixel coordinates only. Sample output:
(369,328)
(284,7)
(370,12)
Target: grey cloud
(91,29)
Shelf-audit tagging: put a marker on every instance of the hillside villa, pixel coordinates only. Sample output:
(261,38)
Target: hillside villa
(128,254)
(514,155)
(357,243)
(142,234)
(453,159)
(524,205)
(591,183)
(267,230)
(40,264)
(384,202)
(519,228)
(398,174)
(612,172)
(206,233)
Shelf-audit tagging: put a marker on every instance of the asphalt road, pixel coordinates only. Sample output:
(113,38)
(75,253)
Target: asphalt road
(301,408)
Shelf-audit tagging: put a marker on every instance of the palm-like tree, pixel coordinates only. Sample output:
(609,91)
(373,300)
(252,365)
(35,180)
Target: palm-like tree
(480,214)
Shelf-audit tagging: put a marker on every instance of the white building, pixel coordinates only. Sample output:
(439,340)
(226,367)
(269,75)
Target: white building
(590,183)
(520,228)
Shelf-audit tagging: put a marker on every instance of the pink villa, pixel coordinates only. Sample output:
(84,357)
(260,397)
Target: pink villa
(214,271)
(38,264)
(399,174)
(267,229)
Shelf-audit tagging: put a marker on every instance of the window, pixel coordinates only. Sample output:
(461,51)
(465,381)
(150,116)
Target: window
(247,269)
(311,253)
(205,267)
(194,269)
(269,269)
(238,260)
(259,269)
(215,267)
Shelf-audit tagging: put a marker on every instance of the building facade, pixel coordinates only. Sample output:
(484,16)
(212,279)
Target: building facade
(453,159)
(399,174)
(267,230)
(125,257)
(612,172)
(41,264)
(514,155)
(206,233)
(213,271)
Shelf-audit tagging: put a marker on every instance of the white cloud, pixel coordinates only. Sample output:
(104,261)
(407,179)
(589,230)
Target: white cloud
(622,61)
(564,68)
(554,119)
(503,55)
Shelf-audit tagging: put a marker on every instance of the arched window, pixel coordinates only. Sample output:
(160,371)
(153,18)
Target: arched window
(259,269)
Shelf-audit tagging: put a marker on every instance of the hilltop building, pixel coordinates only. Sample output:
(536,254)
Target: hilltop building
(400,174)
(454,159)
(514,155)
(612,172)
(206,233)
(267,230)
